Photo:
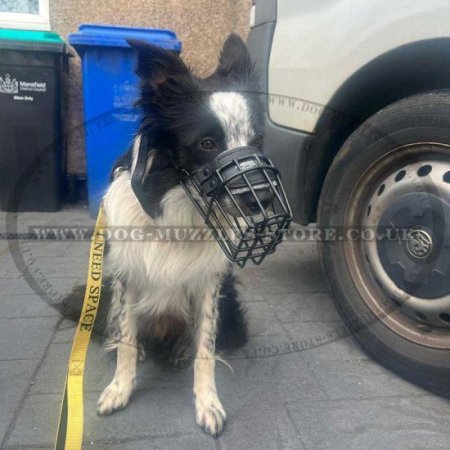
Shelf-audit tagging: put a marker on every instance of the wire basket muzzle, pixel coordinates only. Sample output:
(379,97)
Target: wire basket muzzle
(242,200)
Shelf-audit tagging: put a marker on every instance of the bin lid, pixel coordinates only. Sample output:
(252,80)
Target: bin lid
(115,36)
(27,40)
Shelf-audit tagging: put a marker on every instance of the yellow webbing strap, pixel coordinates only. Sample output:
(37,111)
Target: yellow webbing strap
(70,429)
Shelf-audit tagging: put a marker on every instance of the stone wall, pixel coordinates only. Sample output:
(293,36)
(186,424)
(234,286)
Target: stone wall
(202,26)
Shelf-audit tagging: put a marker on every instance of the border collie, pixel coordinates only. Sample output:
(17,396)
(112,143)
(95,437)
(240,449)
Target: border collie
(180,294)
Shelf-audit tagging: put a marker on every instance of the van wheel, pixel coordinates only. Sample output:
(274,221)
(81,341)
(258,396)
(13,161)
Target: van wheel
(387,196)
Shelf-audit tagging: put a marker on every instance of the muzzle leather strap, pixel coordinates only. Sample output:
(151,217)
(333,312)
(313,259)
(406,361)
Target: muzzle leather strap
(138,177)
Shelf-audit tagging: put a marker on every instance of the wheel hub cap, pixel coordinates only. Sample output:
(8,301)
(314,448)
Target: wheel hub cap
(410,258)
(419,244)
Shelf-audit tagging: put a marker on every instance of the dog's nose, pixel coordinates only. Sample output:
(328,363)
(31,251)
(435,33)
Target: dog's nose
(265,199)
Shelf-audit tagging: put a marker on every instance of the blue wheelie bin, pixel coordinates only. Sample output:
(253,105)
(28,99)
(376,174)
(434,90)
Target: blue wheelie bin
(110,90)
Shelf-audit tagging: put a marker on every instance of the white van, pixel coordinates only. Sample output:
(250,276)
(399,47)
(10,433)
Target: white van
(357,98)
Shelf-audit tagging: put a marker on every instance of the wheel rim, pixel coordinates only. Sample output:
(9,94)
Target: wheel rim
(401,266)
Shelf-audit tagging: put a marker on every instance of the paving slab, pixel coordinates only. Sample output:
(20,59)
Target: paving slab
(383,423)
(175,442)
(25,306)
(303,307)
(290,276)
(361,379)
(25,338)
(15,379)
(14,286)
(260,425)
(151,413)
(324,341)
(267,370)
(246,286)
(300,382)
(262,320)
(65,332)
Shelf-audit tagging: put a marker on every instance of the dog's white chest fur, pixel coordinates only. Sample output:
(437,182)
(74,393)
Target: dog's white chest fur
(164,272)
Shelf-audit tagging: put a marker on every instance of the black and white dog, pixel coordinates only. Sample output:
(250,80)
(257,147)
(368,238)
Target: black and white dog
(180,293)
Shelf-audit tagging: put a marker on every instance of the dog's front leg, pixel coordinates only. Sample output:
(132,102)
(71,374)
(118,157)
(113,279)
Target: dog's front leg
(209,410)
(117,394)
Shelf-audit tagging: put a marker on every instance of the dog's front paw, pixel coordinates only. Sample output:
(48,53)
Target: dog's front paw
(210,414)
(114,397)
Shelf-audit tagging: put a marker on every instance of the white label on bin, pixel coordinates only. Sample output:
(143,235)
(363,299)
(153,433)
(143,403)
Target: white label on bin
(22,98)
(10,85)
(33,86)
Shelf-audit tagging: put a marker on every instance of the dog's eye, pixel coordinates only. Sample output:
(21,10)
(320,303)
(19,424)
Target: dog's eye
(208,144)
(257,140)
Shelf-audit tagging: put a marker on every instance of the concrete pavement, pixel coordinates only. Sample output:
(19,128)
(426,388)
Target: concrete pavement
(300,383)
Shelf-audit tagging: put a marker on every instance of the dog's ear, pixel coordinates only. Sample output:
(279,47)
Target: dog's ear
(160,70)
(234,60)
